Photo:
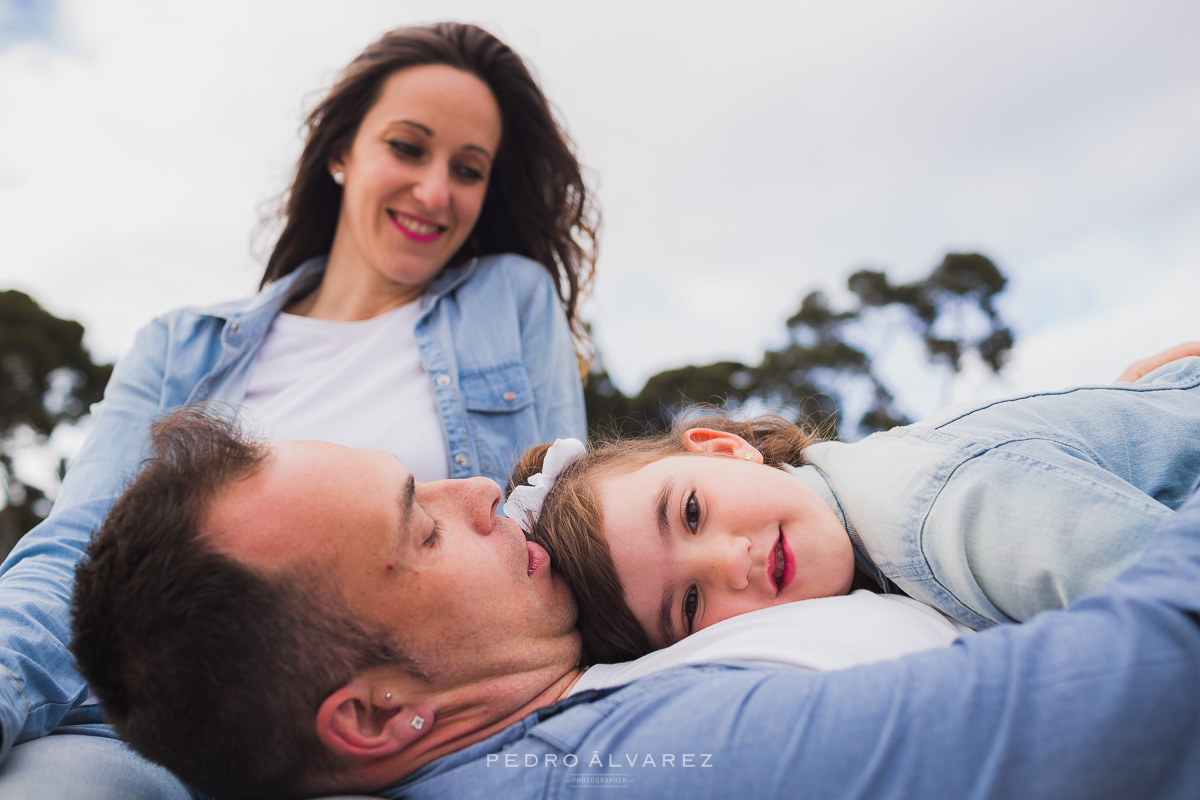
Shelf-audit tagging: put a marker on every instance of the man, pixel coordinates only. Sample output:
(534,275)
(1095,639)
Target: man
(305,619)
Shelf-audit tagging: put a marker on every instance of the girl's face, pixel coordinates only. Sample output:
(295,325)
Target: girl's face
(416,175)
(702,537)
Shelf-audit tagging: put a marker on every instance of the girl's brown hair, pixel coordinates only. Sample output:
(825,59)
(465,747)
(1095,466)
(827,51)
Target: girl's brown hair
(571,520)
(536,204)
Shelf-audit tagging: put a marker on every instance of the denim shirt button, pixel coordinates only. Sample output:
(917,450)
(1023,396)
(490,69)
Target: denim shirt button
(510,396)
(235,329)
(443,380)
(460,459)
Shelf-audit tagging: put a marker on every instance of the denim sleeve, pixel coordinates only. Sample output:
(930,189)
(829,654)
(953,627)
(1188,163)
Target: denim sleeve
(1099,700)
(1016,532)
(38,679)
(549,357)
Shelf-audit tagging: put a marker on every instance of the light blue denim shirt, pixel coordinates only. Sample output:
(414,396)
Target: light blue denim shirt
(496,346)
(1100,700)
(995,513)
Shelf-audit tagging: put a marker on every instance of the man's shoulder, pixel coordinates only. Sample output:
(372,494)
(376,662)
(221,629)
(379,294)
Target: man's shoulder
(595,731)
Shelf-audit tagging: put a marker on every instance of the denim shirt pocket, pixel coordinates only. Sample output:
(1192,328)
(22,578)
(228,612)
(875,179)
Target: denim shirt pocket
(500,410)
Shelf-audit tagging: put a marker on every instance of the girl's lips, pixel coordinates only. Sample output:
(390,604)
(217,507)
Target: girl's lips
(789,562)
(538,557)
(772,564)
(415,228)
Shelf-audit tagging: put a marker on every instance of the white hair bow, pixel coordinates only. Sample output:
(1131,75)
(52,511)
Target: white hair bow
(525,502)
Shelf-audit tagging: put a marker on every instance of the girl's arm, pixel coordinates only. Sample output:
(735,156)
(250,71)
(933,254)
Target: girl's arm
(1067,491)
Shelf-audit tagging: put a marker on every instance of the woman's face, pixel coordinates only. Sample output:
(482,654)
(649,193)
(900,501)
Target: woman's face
(699,538)
(415,175)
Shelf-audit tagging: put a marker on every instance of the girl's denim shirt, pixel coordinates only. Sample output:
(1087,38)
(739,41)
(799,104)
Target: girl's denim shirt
(994,513)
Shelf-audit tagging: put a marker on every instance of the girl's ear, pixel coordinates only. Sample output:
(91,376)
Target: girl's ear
(707,440)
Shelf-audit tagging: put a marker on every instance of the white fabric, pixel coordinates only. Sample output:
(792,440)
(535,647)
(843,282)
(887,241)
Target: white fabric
(827,633)
(525,501)
(321,379)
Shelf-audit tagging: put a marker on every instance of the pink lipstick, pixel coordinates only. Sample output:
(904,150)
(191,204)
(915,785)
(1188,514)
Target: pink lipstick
(416,228)
(781,564)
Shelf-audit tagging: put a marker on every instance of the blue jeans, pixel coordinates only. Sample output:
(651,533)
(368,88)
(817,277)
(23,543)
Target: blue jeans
(85,764)
(87,761)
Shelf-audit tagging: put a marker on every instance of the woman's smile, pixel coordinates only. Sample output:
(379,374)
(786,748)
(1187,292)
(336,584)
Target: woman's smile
(416,228)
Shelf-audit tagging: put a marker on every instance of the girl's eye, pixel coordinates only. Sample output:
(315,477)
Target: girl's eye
(405,149)
(691,599)
(434,536)
(691,512)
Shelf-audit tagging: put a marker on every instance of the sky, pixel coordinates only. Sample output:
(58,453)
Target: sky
(742,155)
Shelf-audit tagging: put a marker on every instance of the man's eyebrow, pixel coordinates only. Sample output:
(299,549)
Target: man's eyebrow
(661,501)
(406,503)
(666,616)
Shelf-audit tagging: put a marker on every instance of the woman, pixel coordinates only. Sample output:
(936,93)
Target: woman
(987,514)
(407,210)
(421,299)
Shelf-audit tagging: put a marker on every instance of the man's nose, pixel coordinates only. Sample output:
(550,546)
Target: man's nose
(481,497)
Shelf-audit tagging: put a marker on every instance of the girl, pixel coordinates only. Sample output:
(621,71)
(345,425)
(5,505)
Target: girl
(988,514)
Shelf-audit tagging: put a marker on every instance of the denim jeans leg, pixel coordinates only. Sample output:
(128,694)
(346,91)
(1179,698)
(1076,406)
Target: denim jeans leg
(72,766)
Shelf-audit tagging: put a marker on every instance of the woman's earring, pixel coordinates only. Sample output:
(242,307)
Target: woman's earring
(339,177)
(749,456)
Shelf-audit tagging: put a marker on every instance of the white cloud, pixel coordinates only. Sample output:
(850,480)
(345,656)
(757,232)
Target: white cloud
(743,156)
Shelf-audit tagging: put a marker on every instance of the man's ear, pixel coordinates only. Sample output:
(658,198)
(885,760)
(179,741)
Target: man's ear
(707,440)
(362,720)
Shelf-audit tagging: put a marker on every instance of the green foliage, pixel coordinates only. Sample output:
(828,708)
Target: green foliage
(47,377)
(825,363)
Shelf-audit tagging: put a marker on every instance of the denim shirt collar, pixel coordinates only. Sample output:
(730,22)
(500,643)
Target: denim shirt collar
(253,317)
(816,480)
(446,281)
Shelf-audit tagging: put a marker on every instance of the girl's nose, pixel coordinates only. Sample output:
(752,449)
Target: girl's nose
(728,562)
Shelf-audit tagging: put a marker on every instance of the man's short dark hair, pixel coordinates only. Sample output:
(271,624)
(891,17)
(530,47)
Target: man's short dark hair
(201,664)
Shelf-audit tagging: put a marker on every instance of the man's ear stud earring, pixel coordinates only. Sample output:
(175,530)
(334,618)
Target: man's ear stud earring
(387,696)
(749,456)
(418,722)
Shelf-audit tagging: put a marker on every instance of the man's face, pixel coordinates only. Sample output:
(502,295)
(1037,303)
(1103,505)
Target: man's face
(462,590)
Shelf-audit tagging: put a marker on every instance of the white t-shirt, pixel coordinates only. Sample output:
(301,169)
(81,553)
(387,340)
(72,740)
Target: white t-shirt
(826,633)
(359,384)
